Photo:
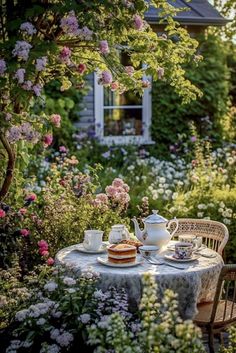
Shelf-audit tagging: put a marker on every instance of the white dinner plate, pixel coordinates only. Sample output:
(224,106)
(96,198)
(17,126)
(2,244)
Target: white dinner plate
(104,261)
(173,258)
(80,247)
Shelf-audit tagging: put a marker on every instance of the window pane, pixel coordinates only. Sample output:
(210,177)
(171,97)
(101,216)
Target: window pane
(122,122)
(127,98)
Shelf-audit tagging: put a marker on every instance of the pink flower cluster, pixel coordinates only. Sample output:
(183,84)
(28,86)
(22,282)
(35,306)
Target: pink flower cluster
(64,55)
(138,22)
(41,63)
(81,68)
(56,120)
(22,49)
(22,132)
(103,47)
(2,213)
(47,140)
(43,251)
(28,28)
(101,201)
(69,24)
(24,232)
(31,197)
(3,67)
(129,70)
(118,192)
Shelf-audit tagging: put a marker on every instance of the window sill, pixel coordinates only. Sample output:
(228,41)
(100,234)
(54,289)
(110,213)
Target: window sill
(125,140)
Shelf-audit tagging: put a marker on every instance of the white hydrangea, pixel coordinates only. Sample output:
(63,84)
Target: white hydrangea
(84,318)
(21,315)
(69,281)
(50,286)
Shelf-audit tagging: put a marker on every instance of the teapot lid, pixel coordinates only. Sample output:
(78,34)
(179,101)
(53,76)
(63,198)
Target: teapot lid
(155,218)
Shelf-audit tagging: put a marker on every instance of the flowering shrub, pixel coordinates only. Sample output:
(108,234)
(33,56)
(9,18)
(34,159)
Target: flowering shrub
(67,311)
(160,328)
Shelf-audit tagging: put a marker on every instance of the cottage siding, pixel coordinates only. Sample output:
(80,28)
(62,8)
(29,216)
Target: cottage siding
(86,115)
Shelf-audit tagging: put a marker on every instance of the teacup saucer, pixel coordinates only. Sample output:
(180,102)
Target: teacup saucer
(173,258)
(80,247)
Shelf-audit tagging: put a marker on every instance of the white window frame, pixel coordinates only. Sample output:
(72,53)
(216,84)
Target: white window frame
(146,106)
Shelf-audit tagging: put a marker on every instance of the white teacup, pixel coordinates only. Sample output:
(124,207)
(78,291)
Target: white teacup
(92,239)
(192,239)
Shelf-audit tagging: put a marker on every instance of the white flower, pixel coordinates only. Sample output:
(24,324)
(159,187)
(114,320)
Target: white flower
(200,214)
(50,286)
(54,334)
(226,221)
(41,321)
(84,318)
(64,339)
(69,281)
(175,195)
(21,315)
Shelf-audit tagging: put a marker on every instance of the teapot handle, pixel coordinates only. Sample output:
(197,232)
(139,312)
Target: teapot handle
(175,220)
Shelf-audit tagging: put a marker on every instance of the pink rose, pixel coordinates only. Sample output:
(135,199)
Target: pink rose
(114,86)
(2,213)
(81,68)
(56,120)
(138,22)
(50,261)
(117,182)
(44,253)
(47,140)
(43,244)
(24,232)
(103,47)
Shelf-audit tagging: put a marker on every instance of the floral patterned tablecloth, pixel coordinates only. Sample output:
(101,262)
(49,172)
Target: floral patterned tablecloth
(196,283)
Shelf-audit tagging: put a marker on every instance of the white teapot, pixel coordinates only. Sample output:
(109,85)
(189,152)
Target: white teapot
(118,233)
(155,230)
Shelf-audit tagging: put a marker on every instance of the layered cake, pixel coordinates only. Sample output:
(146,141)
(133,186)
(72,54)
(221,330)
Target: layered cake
(121,253)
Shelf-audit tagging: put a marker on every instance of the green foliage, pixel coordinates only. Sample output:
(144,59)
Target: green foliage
(171,118)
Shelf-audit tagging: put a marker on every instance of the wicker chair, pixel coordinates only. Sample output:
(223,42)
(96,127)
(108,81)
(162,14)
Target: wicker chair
(214,317)
(215,234)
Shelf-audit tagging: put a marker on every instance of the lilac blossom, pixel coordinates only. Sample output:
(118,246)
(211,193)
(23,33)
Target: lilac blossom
(3,67)
(41,63)
(28,28)
(37,89)
(20,75)
(22,49)
(106,77)
(14,134)
(85,33)
(138,22)
(69,24)
(103,47)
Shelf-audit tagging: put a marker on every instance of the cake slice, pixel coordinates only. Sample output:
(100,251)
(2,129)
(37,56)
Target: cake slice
(121,253)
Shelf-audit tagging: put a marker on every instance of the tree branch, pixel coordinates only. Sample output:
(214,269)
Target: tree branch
(10,166)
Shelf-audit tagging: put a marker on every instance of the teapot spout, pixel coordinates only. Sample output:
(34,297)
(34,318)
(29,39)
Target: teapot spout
(138,232)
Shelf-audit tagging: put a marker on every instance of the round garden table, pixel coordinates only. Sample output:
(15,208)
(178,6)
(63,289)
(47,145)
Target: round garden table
(195,283)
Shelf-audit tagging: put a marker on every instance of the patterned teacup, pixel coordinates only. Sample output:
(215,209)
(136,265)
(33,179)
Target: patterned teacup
(184,250)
